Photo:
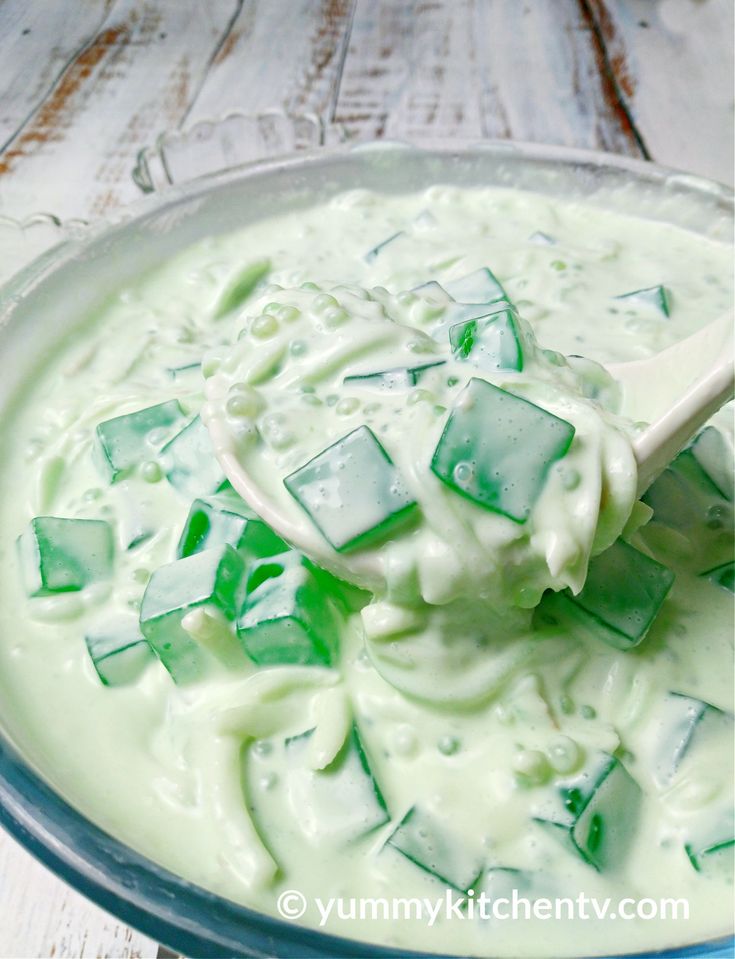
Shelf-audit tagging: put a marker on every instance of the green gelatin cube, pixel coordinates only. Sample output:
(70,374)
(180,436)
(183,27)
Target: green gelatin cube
(496,449)
(64,555)
(482,286)
(713,456)
(213,578)
(402,378)
(123,442)
(594,816)
(433,847)
(227,519)
(654,296)
(177,372)
(620,599)
(352,491)
(677,719)
(490,342)
(190,463)
(341,801)
(288,616)
(716,861)
(373,254)
(241,287)
(118,650)
(542,239)
(457,313)
(723,575)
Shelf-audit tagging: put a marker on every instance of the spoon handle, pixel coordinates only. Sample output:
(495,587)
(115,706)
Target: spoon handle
(659,444)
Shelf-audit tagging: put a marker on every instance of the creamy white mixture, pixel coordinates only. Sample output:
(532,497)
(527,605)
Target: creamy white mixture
(471,709)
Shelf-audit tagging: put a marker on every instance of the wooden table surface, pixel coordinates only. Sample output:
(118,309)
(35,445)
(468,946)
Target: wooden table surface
(86,84)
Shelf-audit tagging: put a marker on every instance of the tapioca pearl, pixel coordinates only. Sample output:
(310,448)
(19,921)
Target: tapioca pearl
(282,312)
(271,289)
(448,745)
(420,396)
(531,768)
(323,303)
(276,433)
(211,365)
(262,748)
(422,345)
(347,406)
(565,755)
(151,472)
(570,478)
(335,316)
(264,327)
(405,742)
(268,782)
(243,401)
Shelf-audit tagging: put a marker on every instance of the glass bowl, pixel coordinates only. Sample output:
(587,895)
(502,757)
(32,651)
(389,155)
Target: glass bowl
(62,270)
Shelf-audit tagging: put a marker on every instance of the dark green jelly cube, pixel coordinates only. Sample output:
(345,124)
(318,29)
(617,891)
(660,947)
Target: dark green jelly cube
(491,342)
(288,617)
(402,378)
(343,799)
(620,599)
(227,519)
(433,847)
(482,286)
(723,575)
(190,463)
(496,449)
(352,491)
(716,860)
(64,555)
(213,578)
(373,254)
(118,650)
(654,296)
(594,814)
(123,442)
(241,286)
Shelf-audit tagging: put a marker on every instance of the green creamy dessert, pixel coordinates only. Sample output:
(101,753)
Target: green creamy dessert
(323,570)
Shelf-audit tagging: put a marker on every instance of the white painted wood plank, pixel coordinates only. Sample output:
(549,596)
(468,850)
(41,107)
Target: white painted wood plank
(411,70)
(543,78)
(37,41)
(529,70)
(279,54)
(673,64)
(40,916)
(135,79)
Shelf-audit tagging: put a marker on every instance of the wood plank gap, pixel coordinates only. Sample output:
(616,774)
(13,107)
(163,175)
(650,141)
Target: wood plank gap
(57,80)
(215,53)
(609,79)
(334,99)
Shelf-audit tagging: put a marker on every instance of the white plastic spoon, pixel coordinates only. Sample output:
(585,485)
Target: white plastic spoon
(702,368)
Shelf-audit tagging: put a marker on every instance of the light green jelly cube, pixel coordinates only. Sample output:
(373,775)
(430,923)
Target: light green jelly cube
(620,599)
(342,801)
(677,718)
(653,296)
(190,463)
(240,287)
(594,815)
(401,378)
(454,314)
(64,555)
(352,491)
(432,846)
(491,342)
(212,578)
(482,286)
(227,519)
(123,442)
(723,575)
(710,456)
(118,650)
(288,616)
(496,449)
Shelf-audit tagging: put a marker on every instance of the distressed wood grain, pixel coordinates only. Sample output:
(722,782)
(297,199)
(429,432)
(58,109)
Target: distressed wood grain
(37,43)
(672,64)
(411,70)
(40,916)
(305,42)
(135,78)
